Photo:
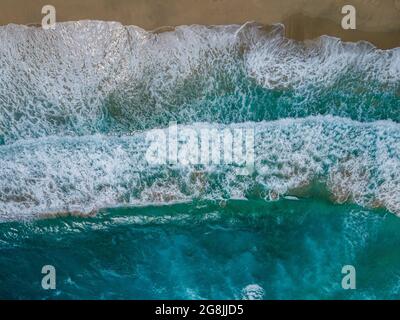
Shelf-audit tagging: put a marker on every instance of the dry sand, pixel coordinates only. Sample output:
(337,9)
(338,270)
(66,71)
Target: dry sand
(378,21)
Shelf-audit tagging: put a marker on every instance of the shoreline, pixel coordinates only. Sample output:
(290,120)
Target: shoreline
(163,29)
(378,22)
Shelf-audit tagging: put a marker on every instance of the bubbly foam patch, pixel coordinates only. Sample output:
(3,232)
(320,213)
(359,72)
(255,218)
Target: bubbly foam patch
(355,162)
(98,77)
(253,292)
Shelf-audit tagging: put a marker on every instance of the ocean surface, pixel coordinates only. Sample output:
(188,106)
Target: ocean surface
(78,192)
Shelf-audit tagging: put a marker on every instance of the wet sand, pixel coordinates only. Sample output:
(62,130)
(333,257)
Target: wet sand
(378,21)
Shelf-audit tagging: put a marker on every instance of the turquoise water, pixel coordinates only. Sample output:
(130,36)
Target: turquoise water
(78,192)
(291,249)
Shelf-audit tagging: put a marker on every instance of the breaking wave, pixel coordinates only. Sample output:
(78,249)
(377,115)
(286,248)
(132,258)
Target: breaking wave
(77,102)
(350,161)
(98,77)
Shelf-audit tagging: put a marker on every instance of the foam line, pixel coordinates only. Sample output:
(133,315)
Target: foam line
(353,161)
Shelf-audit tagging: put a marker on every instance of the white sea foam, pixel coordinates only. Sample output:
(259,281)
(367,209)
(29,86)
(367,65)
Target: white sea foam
(253,292)
(355,162)
(284,63)
(90,76)
(62,91)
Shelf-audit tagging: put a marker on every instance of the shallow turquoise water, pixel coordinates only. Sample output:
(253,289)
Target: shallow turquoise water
(291,249)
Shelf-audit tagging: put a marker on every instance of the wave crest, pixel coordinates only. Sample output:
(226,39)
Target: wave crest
(99,77)
(355,162)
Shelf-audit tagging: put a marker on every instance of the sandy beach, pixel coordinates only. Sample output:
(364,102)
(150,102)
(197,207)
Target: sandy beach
(377,21)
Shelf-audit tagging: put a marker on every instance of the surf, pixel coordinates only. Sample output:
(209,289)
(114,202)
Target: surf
(76,110)
(352,161)
(91,77)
